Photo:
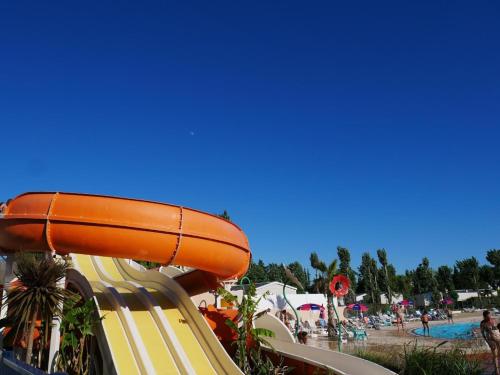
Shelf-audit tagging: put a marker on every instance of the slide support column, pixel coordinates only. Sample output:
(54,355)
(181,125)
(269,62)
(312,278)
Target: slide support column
(55,335)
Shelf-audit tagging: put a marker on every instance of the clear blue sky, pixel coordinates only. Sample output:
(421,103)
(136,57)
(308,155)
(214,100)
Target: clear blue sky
(362,124)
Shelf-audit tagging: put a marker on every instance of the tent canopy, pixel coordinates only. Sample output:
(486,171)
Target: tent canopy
(310,306)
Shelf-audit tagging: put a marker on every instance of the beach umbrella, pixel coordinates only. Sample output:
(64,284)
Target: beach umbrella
(357,307)
(310,306)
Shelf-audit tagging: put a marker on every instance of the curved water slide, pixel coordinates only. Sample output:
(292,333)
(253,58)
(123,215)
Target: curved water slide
(151,325)
(124,228)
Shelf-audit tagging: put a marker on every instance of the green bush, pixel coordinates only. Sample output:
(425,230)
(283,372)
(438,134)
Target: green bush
(423,361)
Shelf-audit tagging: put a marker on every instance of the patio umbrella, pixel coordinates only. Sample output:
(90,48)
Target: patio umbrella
(357,307)
(310,306)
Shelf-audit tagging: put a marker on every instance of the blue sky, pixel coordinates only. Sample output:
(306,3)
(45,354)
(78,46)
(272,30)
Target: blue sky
(359,124)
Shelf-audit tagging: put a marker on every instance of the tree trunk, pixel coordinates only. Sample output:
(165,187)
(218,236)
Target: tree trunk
(331,314)
(31,331)
(389,293)
(80,357)
(370,287)
(376,288)
(477,291)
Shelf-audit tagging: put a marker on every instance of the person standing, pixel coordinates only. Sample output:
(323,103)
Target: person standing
(322,320)
(283,316)
(449,315)
(400,318)
(425,322)
(491,335)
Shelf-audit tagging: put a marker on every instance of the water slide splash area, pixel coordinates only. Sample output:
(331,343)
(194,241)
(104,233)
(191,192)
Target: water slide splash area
(151,326)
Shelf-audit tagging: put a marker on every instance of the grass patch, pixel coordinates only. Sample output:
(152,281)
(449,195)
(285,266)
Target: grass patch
(385,359)
(415,360)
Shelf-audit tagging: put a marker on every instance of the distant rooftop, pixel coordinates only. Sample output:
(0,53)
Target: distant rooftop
(262,285)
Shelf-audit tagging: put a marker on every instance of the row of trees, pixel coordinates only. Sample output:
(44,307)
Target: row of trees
(376,276)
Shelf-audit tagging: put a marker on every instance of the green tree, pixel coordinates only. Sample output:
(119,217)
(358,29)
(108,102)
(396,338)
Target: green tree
(493,257)
(423,278)
(275,272)
(468,273)
(444,279)
(257,272)
(225,215)
(345,268)
(368,275)
(301,274)
(487,278)
(37,295)
(324,275)
(382,258)
(376,283)
(404,284)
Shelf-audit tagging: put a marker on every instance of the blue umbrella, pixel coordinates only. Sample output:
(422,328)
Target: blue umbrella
(309,306)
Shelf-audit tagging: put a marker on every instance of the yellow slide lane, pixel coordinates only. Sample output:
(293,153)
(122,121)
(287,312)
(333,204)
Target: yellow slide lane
(187,339)
(191,329)
(123,356)
(151,344)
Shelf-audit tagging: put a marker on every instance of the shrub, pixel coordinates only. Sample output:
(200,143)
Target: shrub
(386,359)
(422,361)
(249,356)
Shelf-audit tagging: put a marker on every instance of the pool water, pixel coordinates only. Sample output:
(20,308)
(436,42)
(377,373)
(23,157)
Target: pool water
(461,331)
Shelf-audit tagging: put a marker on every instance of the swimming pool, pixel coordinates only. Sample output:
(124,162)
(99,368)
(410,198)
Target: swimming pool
(461,331)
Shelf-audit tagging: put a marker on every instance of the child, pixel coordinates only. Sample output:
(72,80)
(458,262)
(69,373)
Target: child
(302,337)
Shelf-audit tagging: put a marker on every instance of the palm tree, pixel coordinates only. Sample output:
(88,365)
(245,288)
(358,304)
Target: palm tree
(37,295)
(324,275)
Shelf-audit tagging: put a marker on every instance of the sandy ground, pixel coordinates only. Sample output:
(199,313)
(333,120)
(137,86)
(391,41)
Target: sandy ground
(389,338)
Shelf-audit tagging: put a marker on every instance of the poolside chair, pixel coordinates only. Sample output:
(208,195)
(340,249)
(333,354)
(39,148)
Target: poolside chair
(360,334)
(344,333)
(373,322)
(312,330)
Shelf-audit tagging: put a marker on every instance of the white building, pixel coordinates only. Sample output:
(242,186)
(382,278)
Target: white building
(272,287)
(424,299)
(465,294)
(396,298)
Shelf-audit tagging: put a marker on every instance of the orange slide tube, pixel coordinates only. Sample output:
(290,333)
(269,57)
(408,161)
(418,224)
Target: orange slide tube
(124,228)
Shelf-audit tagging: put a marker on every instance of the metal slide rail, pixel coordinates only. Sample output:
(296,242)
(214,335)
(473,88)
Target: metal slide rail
(9,365)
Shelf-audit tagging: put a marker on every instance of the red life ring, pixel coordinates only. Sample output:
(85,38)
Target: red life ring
(340,285)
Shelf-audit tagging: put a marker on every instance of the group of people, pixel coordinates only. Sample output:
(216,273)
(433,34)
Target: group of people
(425,318)
(284,316)
(399,312)
(490,330)
(302,334)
